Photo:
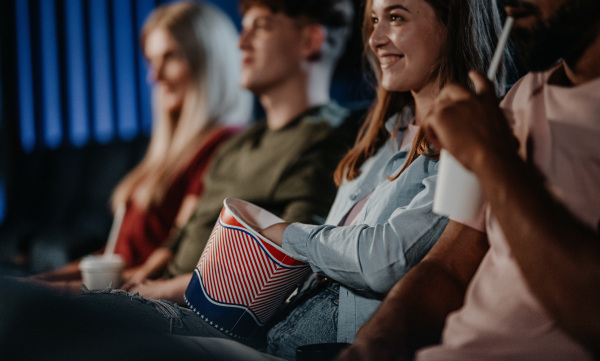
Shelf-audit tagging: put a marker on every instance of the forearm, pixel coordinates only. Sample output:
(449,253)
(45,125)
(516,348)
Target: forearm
(157,262)
(69,272)
(363,257)
(188,205)
(557,254)
(416,308)
(413,313)
(176,288)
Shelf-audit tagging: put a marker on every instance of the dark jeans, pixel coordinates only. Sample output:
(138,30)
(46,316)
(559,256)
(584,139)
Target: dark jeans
(313,321)
(38,324)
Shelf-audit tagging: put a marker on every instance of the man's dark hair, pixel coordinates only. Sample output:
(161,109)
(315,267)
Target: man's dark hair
(329,13)
(336,16)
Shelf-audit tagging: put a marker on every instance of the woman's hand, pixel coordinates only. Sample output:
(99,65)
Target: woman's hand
(274,233)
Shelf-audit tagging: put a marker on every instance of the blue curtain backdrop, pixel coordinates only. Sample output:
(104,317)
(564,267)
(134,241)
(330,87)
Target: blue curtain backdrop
(76,76)
(79,74)
(2,159)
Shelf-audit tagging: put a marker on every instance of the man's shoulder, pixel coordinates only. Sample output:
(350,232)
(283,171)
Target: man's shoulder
(331,115)
(331,121)
(530,83)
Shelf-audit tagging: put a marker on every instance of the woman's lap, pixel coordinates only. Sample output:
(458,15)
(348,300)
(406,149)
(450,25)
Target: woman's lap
(312,322)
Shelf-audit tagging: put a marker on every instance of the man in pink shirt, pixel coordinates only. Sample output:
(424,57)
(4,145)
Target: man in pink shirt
(526,284)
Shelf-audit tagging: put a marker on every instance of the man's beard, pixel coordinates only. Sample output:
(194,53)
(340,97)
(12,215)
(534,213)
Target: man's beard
(570,30)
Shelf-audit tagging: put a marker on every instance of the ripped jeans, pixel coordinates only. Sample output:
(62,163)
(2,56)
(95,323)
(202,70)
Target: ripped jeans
(164,315)
(313,321)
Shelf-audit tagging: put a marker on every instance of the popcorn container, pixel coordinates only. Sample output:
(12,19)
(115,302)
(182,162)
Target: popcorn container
(242,278)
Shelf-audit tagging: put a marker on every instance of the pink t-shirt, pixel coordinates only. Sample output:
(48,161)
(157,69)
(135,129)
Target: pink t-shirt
(501,319)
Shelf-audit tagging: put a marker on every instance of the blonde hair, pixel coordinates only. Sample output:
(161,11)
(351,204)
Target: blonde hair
(208,39)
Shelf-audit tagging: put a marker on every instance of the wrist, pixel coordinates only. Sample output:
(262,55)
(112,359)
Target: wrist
(487,161)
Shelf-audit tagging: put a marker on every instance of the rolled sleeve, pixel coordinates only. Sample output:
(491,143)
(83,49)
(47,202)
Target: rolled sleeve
(373,258)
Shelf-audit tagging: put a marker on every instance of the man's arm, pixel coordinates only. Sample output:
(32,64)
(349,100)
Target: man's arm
(558,255)
(413,313)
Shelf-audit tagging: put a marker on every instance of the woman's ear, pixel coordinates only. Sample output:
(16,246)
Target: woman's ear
(314,37)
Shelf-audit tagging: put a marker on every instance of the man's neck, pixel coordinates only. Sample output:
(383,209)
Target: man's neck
(284,104)
(585,68)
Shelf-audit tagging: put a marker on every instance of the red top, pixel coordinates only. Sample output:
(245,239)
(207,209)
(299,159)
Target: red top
(143,231)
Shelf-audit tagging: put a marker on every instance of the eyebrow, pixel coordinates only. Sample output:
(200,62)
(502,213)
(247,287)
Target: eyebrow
(266,18)
(394,7)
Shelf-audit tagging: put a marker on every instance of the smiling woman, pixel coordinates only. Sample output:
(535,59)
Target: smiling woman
(396,40)
(169,68)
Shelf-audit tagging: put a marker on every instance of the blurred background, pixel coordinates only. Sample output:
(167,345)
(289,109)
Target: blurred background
(75,116)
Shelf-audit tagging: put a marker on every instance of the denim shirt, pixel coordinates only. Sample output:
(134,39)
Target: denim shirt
(393,232)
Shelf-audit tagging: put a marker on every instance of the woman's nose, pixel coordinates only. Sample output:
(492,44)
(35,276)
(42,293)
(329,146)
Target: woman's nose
(157,71)
(378,36)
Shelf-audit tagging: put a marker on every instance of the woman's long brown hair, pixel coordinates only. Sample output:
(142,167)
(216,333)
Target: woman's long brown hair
(472,31)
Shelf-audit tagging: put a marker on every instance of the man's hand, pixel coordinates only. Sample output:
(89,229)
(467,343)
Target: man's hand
(469,125)
(170,290)
(152,268)
(155,289)
(133,277)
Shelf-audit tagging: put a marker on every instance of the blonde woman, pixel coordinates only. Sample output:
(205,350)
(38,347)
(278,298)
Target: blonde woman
(194,62)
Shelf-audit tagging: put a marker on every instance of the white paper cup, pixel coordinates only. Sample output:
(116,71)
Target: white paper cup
(98,272)
(458,193)
(242,278)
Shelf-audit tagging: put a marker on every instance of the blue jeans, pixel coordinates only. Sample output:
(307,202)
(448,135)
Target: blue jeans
(314,321)
(167,316)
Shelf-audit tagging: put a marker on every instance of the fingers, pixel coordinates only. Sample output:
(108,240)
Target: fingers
(442,116)
(430,134)
(483,86)
(132,283)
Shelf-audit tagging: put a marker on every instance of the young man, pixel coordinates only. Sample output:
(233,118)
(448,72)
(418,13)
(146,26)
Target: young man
(534,294)
(285,165)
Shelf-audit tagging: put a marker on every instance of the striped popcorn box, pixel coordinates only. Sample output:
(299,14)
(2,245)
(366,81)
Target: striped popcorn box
(242,278)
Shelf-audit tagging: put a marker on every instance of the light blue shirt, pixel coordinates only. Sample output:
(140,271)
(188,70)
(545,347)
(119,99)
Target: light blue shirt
(393,231)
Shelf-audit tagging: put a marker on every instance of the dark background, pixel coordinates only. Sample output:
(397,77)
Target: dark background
(75,115)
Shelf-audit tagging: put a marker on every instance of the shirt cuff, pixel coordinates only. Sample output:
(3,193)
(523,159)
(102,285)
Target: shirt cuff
(295,239)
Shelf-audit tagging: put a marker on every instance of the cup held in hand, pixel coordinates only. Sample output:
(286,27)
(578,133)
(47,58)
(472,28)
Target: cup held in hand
(458,193)
(242,278)
(98,272)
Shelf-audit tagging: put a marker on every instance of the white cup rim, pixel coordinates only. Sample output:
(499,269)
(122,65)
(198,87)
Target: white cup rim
(102,263)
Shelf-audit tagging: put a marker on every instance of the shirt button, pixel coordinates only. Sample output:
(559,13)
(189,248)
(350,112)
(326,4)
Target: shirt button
(353,197)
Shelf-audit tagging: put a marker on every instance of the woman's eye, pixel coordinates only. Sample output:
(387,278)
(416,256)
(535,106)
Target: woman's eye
(395,17)
(374,20)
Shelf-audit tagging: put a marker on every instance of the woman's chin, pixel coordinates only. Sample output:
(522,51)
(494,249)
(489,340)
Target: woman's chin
(172,106)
